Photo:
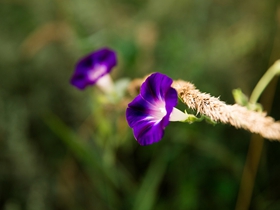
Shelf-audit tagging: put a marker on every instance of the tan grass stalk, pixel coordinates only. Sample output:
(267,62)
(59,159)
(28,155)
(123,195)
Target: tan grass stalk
(219,111)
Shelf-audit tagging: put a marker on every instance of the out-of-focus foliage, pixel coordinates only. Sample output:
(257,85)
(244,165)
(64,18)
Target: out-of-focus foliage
(60,148)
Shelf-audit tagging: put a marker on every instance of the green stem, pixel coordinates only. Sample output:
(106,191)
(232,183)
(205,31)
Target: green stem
(264,81)
(191,119)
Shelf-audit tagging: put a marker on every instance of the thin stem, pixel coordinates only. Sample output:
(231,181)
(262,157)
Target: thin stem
(264,81)
(256,144)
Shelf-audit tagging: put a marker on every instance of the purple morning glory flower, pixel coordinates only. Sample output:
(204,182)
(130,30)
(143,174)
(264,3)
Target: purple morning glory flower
(93,67)
(150,112)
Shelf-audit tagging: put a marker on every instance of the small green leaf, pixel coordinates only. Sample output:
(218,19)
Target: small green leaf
(239,97)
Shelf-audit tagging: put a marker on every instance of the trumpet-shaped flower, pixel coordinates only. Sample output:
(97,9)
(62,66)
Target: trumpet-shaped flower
(93,68)
(150,112)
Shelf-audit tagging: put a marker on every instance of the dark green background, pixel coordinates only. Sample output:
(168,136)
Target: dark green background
(60,148)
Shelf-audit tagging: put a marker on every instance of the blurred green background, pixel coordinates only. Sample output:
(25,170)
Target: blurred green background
(61,148)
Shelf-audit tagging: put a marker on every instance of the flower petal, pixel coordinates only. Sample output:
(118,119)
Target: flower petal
(147,133)
(92,67)
(155,87)
(146,130)
(137,111)
(171,100)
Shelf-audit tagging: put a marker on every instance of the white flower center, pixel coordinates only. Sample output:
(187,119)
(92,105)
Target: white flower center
(162,111)
(96,72)
(158,111)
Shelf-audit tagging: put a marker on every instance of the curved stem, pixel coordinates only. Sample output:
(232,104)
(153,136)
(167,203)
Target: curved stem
(264,81)
(256,145)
